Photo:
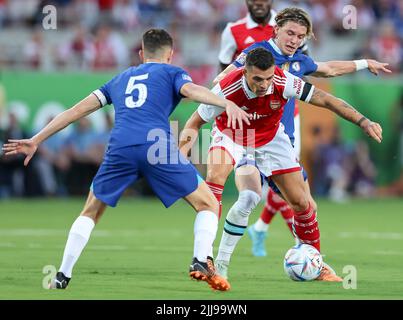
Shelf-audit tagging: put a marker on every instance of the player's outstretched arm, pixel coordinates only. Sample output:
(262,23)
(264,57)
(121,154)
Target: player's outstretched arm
(62,120)
(323,99)
(190,133)
(203,95)
(338,68)
(223,73)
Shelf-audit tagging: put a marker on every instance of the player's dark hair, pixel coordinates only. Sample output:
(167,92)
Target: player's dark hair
(259,58)
(156,39)
(296,15)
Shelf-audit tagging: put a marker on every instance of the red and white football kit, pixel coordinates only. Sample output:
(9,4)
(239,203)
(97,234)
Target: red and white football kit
(239,35)
(264,141)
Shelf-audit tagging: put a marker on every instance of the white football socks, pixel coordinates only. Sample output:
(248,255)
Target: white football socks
(78,237)
(236,223)
(205,231)
(261,226)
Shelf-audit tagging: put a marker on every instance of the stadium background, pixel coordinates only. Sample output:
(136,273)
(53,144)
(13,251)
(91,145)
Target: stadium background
(42,72)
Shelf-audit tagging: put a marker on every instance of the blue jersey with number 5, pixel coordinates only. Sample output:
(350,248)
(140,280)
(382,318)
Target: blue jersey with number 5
(144,97)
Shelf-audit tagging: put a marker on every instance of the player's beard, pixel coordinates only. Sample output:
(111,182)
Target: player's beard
(260,19)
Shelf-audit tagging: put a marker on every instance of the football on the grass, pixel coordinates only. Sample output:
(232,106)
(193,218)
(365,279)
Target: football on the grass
(303,262)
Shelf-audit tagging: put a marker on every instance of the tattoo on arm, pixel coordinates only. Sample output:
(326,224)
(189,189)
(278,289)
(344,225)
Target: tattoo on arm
(349,114)
(340,107)
(318,96)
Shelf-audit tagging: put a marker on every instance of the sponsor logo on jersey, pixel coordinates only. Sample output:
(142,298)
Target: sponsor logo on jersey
(275,104)
(257,116)
(296,66)
(218,139)
(249,39)
(297,85)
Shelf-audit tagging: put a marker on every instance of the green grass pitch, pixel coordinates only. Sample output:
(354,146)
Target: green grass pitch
(140,250)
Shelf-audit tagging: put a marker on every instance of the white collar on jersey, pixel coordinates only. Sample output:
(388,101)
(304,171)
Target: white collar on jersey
(249,93)
(277,49)
(250,24)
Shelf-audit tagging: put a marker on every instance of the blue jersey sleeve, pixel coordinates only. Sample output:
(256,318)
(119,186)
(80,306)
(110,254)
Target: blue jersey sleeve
(240,60)
(181,77)
(104,93)
(310,65)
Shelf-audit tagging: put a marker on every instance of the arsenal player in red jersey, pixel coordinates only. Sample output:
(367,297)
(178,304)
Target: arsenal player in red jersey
(258,25)
(262,150)
(293,26)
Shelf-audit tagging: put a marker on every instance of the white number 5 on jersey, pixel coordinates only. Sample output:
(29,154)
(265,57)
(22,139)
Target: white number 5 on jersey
(141,87)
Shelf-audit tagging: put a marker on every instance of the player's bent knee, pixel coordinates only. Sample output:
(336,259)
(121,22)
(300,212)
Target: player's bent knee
(216,176)
(314,205)
(210,204)
(300,203)
(206,201)
(248,200)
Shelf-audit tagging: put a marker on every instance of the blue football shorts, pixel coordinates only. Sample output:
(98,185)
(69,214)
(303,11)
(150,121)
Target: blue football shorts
(168,173)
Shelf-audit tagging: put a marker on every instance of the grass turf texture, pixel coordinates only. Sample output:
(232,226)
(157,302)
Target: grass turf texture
(140,250)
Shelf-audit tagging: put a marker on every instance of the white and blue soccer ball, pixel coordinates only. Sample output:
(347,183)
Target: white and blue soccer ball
(303,262)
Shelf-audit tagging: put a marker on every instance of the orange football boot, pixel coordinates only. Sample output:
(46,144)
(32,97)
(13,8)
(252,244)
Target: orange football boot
(205,271)
(328,274)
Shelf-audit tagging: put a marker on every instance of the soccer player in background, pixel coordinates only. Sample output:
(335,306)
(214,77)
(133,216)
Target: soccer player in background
(258,25)
(263,150)
(143,98)
(293,26)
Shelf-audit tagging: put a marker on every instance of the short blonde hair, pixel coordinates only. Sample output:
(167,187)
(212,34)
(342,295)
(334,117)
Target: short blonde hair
(296,15)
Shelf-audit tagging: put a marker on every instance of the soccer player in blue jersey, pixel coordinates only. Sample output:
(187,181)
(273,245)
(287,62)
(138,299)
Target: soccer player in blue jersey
(141,145)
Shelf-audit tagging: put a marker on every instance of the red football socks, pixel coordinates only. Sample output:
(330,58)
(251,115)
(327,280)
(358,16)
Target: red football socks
(217,190)
(306,227)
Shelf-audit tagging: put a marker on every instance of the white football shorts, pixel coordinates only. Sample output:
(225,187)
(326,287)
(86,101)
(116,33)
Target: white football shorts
(276,157)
